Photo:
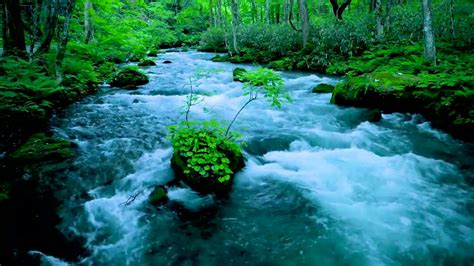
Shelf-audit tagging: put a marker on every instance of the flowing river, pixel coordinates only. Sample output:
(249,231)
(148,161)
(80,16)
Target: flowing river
(321,185)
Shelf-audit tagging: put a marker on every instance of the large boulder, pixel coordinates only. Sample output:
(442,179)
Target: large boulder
(323,88)
(129,77)
(447,108)
(238,74)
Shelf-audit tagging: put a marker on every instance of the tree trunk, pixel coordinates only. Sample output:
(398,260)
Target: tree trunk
(235,22)
(304,21)
(51,15)
(286,11)
(452,21)
(219,13)
(88,26)
(254,12)
(378,19)
(428,33)
(267,11)
(13,32)
(36,25)
(64,38)
(339,9)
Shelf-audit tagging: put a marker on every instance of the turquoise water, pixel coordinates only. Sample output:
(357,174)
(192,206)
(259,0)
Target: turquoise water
(321,185)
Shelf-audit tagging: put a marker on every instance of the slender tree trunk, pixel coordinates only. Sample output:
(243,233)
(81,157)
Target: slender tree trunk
(13,30)
(235,23)
(286,11)
(219,13)
(428,33)
(36,25)
(64,38)
(88,25)
(254,12)
(304,19)
(379,19)
(267,11)
(51,15)
(451,20)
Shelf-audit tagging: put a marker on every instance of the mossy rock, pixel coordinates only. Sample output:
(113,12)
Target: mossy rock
(282,64)
(374,116)
(159,196)
(129,77)
(238,74)
(209,184)
(220,58)
(147,62)
(41,148)
(152,53)
(447,109)
(323,88)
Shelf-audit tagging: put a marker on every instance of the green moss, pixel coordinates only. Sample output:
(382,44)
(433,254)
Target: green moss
(129,77)
(237,74)
(282,64)
(158,196)
(323,88)
(40,147)
(147,62)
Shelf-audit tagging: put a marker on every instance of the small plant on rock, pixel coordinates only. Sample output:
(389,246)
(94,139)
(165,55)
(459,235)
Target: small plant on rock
(207,154)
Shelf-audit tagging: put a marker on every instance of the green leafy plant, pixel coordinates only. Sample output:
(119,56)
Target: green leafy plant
(208,150)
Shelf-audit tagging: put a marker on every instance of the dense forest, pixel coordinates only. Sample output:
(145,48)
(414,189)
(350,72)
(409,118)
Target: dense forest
(245,101)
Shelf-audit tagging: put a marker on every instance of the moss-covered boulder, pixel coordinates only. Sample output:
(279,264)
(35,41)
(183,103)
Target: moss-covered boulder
(238,74)
(41,148)
(282,64)
(323,88)
(129,77)
(159,196)
(147,62)
(448,108)
(205,160)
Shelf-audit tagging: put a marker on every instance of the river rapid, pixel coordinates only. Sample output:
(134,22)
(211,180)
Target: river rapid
(321,185)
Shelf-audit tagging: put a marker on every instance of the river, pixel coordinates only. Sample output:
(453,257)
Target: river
(321,185)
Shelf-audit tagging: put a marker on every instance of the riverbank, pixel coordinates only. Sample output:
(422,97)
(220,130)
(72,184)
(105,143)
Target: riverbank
(394,78)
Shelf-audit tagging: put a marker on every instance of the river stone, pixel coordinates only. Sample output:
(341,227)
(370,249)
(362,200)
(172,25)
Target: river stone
(167,62)
(323,88)
(207,185)
(147,62)
(129,78)
(374,116)
(159,196)
(237,74)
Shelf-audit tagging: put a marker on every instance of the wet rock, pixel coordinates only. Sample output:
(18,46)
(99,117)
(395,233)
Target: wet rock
(40,148)
(374,116)
(393,92)
(147,62)
(159,196)
(204,179)
(129,78)
(323,88)
(152,53)
(167,62)
(238,73)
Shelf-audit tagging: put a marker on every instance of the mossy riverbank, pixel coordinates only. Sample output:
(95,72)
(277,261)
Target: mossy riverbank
(394,78)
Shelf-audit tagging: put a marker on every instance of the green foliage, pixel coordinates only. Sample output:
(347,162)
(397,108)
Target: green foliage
(266,82)
(41,148)
(205,148)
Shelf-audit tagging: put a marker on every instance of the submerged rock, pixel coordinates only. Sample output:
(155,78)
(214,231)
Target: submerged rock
(147,62)
(374,116)
(129,77)
(159,196)
(237,74)
(167,62)
(323,88)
